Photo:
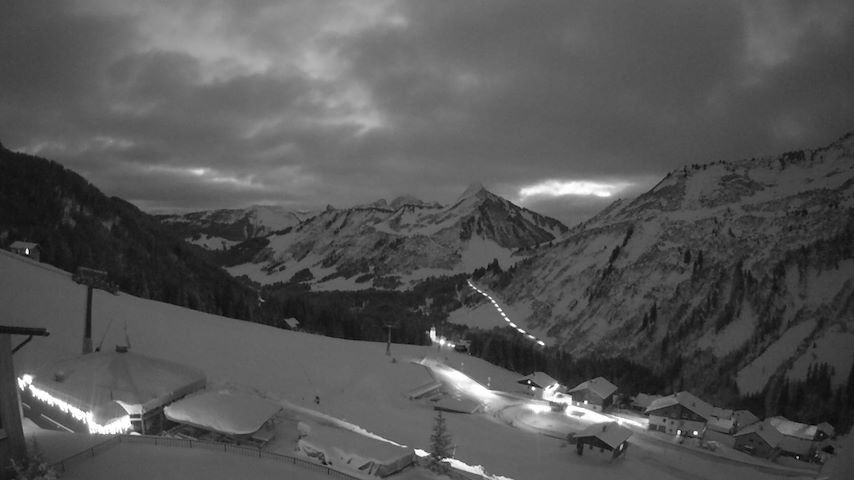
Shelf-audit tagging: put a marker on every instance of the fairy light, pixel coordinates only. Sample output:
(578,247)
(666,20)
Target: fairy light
(120,425)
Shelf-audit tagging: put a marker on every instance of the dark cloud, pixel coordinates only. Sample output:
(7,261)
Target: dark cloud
(192,105)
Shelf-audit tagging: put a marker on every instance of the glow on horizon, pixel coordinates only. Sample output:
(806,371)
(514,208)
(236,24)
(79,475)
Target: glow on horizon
(560,188)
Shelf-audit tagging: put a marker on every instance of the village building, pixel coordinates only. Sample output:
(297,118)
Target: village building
(596,394)
(800,440)
(605,436)
(721,420)
(744,418)
(225,416)
(760,439)
(543,386)
(680,414)
(106,392)
(26,249)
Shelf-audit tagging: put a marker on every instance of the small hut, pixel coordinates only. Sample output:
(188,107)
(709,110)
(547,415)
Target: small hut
(604,436)
(26,249)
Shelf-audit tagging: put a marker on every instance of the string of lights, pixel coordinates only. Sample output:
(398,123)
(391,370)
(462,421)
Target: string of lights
(504,316)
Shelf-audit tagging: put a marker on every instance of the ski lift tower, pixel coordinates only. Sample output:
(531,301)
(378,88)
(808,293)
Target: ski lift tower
(12,443)
(92,279)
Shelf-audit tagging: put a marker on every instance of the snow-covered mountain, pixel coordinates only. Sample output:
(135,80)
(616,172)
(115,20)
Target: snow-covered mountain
(387,244)
(723,275)
(222,229)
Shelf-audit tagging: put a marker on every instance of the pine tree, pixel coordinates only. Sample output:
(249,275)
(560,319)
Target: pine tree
(440,445)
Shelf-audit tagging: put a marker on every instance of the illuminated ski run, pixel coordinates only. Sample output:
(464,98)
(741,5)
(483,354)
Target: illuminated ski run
(504,316)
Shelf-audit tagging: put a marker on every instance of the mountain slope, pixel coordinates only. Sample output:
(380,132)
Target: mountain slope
(77,225)
(222,229)
(742,268)
(386,245)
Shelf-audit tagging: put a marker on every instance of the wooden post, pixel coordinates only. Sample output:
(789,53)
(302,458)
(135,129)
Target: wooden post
(10,410)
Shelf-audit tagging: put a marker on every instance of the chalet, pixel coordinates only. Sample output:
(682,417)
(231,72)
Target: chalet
(759,439)
(543,386)
(106,392)
(604,436)
(680,414)
(537,380)
(235,417)
(799,439)
(596,394)
(26,249)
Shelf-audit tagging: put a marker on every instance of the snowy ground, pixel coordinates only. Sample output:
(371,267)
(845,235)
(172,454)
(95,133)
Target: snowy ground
(360,388)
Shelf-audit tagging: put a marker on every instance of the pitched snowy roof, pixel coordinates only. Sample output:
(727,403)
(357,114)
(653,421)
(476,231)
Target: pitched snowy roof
(224,412)
(685,399)
(20,244)
(598,385)
(644,400)
(137,382)
(766,431)
(538,379)
(744,418)
(722,413)
(610,432)
(791,428)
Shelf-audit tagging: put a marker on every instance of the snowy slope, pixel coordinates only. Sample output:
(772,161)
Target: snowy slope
(740,267)
(392,245)
(221,229)
(355,381)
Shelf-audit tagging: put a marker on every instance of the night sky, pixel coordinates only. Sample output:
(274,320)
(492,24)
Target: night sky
(560,106)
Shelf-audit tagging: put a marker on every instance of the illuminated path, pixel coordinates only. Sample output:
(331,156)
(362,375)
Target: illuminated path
(505,317)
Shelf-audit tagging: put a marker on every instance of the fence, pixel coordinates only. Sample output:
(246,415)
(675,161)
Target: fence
(228,448)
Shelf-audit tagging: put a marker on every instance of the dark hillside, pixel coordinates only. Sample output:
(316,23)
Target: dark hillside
(77,225)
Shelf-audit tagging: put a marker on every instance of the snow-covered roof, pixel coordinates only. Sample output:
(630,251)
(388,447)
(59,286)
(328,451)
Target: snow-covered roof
(643,400)
(744,418)
(722,413)
(137,382)
(791,428)
(765,430)
(721,424)
(610,432)
(598,385)
(538,379)
(460,405)
(20,244)
(685,399)
(292,322)
(224,412)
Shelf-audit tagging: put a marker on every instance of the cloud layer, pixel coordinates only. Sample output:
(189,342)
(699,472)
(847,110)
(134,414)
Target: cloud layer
(197,104)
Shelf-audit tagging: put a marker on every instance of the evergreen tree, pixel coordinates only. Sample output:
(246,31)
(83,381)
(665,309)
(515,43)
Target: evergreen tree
(440,445)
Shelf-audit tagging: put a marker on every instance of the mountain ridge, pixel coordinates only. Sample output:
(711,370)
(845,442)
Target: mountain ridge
(376,246)
(745,267)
